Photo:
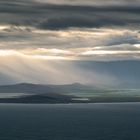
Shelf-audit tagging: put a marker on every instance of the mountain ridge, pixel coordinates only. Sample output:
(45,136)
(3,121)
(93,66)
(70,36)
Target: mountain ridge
(41,88)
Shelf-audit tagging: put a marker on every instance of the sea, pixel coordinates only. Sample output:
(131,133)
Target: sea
(97,121)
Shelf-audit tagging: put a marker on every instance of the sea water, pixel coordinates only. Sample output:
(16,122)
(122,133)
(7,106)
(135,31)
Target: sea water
(110,121)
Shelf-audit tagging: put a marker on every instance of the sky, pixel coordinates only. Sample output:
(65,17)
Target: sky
(67,41)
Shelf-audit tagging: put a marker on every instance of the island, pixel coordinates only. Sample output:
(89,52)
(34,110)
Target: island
(72,93)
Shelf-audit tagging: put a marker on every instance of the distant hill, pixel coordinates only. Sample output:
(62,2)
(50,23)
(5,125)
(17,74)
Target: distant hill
(71,93)
(37,93)
(43,89)
(41,98)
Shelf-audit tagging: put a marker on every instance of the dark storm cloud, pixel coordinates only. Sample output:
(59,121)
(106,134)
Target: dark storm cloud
(126,38)
(61,16)
(16,6)
(80,22)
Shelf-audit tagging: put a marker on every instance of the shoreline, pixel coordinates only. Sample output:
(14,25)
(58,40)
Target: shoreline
(78,103)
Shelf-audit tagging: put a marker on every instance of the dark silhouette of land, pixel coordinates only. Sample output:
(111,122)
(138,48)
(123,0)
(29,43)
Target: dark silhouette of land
(35,93)
(42,89)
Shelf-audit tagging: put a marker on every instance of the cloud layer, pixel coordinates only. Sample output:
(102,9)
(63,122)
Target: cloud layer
(73,44)
(56,15)
(64,37)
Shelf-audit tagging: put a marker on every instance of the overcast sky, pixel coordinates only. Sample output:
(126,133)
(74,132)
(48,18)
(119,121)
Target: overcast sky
(36,35)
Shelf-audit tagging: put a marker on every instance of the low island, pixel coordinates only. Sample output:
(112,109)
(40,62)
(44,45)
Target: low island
(73,93)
